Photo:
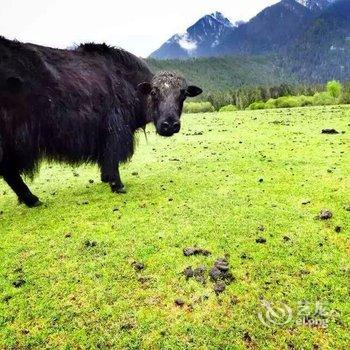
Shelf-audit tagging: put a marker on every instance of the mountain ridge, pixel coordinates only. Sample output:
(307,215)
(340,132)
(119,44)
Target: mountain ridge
(197,40)
(270,30)
(313,45)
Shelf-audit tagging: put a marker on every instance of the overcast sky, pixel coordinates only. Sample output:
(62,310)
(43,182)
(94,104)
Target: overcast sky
(138,26)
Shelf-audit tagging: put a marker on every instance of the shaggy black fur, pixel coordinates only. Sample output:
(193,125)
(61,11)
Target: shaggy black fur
(75,106)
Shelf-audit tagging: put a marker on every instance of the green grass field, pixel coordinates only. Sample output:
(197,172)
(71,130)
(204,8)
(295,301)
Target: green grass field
(66,274)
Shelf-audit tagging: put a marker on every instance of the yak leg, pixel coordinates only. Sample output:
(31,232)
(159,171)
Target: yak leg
(24,195)
(110,169)
(111,175)
(117,185)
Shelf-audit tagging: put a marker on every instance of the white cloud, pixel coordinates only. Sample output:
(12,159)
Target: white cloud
(138,26)
(186,43)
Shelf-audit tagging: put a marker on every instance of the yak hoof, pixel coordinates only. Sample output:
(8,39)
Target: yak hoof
(121,190)
(118,188)
(31,202)
(36,204)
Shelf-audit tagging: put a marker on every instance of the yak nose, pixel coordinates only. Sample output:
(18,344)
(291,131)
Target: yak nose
(167,127)
(176,127)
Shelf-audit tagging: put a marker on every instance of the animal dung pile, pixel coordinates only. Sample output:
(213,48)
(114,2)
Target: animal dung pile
(324,214)
(261,240)
(330,131)
(219,274)
(138,266)
(198,273)
(196,251)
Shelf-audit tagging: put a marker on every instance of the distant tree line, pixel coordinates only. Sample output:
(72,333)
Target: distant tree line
(243,97)
(280,96)
(225,73)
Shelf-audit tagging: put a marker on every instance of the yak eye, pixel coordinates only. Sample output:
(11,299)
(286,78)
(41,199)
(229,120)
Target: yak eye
(153,93)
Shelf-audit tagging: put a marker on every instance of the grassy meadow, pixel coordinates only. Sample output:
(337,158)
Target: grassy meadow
(245,185)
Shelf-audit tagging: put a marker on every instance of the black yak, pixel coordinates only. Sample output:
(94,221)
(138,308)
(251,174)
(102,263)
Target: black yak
(77,106)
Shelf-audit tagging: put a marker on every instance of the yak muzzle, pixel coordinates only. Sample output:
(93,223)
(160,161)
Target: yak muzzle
(169,128)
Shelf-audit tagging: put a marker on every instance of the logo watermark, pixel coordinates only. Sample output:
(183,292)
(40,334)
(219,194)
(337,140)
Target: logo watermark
(307,314)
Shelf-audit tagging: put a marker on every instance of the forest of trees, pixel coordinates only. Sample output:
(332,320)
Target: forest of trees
(240,81)
(225,73)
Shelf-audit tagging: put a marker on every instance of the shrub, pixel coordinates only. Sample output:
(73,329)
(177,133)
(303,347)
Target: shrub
(198,107)
(257,105)
(284,102)
(228,108)
(334,88)
(345,98)
(271,103)
(287,102)
(305,100)
(323,99)
(319,99)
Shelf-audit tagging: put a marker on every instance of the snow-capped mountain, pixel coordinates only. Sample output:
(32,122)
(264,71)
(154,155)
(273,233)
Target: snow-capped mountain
(298,40)
(269,31)
(215,35)
(273,30)
(199,40)
(221,18)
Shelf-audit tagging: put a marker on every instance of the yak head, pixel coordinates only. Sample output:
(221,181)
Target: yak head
(165,95)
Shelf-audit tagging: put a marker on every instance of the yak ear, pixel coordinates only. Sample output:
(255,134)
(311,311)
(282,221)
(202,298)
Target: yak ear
(145,88)
(14,84)
(193,91)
